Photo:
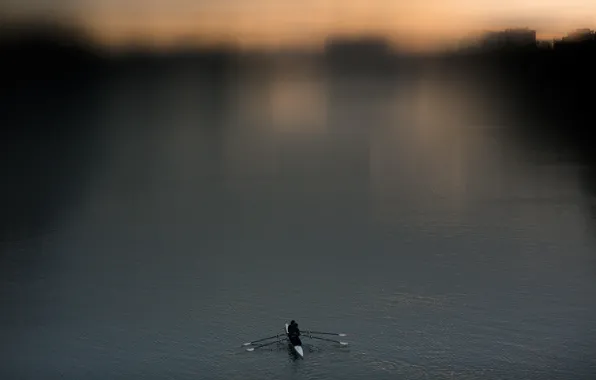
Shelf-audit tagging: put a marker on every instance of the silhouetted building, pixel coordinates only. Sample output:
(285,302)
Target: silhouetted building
(578,39)
(545,45)
(580,35)
(367,46)
(368,53)
(509,38)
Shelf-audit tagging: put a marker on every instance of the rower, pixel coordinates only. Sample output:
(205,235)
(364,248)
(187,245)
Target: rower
(293,329)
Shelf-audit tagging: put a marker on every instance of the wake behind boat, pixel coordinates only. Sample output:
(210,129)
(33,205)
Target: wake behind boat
(292,336)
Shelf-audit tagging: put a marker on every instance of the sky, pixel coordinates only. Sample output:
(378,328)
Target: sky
(418,24)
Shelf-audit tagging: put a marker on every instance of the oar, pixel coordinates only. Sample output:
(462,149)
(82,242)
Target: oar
(326,333)
(262,345)
(260,340)
(328,340)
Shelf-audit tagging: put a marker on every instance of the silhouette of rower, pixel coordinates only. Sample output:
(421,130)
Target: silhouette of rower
(293,329)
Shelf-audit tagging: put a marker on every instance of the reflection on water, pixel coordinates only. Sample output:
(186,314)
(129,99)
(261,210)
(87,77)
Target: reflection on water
(397,210)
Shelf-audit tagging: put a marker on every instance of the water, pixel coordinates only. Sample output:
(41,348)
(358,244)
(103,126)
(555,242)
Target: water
(395,211)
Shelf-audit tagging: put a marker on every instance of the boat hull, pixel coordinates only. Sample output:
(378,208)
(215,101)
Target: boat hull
(296,343)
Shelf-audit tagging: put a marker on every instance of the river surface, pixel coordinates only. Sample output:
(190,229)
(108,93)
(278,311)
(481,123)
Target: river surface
(396,211)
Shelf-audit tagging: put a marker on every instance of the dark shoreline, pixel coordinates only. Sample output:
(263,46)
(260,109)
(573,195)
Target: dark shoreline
(51,78)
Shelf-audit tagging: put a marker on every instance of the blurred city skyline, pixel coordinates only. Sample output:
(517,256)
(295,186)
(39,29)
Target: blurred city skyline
(421,26)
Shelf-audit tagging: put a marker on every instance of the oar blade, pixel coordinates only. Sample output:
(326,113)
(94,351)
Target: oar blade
(250,349)
(325,333)
(276,336)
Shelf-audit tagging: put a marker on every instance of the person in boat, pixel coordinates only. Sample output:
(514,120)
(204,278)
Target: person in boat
(293,329)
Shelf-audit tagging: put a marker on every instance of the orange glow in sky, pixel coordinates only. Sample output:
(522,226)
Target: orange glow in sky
(422,23)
